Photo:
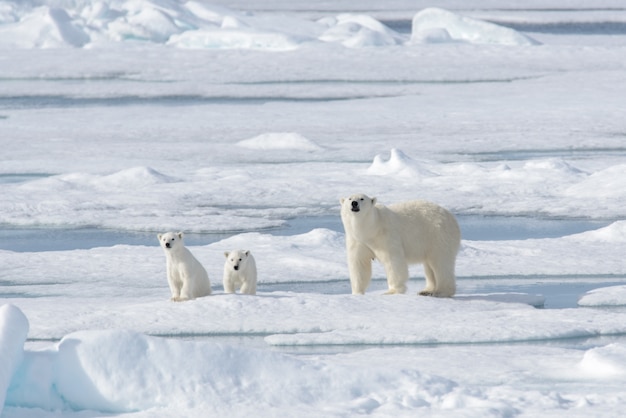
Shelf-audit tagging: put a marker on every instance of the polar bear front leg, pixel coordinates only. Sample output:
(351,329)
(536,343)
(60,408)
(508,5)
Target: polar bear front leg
(173,280)
(185,291)
(248,288)
(174,290)
(359,265)
(186,284)
(397,275)
(229,286)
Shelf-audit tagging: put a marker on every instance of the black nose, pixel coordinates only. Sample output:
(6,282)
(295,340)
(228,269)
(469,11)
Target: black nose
(167,244)
(355,204)
(236,267)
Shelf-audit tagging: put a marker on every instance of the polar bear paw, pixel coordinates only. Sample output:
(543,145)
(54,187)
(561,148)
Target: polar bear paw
(395,291)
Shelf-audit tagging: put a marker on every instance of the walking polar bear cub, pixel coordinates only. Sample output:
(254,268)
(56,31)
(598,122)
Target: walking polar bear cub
(239,271)
(185,275)
(398,235)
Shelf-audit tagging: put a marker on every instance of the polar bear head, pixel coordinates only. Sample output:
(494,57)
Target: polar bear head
(237,259)
(171,240)
(357,203)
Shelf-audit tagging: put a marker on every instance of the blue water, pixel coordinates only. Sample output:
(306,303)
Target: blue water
(473,227)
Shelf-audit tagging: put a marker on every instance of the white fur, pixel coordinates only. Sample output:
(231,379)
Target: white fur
(398,235)
(240,271)
(185,275)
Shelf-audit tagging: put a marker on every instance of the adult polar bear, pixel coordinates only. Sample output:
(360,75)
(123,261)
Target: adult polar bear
(398,235)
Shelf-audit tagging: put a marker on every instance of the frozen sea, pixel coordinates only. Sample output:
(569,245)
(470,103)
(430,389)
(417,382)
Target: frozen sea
(242,123)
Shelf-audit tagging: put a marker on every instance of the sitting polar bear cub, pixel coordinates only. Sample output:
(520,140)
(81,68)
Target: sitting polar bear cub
(185,275)
(399,235)
(239,271)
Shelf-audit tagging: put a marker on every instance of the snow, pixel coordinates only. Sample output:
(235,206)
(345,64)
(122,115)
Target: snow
(607,361)
(439,25)
(279,141)
(95,363)
(242,124)
(398,164)
(606,296)
(197,25)
(357,31)
(13,331)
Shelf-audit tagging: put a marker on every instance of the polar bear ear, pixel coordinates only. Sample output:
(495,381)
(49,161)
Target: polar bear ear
(159,236)
(226,253)
(247,252)
(180,235)
(373,200)
(342,200)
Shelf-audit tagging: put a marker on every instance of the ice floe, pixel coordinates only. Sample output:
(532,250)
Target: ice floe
(604,297)
(198,25)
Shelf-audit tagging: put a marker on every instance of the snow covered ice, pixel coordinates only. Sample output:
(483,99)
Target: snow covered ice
(243,124)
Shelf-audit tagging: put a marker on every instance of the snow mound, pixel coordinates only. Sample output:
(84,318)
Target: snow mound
(606,296)
(433,25)
(606,183)
(356,31)
(122,371)
(553,164)
(128,178)
(185,24)
(13,332)
(54,24)
(107,371)
(399,164)
(614,233)
(279,141)
(44,27)
(136,177)
(604,362)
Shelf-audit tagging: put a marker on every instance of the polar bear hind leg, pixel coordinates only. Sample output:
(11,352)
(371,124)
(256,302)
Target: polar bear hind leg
(439,279)
(429,290)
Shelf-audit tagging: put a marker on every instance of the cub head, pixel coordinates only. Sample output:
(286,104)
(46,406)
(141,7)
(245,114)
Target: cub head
(236,259)
(171,240)
(357,203)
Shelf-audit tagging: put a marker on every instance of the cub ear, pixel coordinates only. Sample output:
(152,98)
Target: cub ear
(159,236)
(247,253)
(180,235)
(226,254)
(342,200)
(373,200)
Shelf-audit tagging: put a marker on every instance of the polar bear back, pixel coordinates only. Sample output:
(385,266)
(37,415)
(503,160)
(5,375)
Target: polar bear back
(426,229)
